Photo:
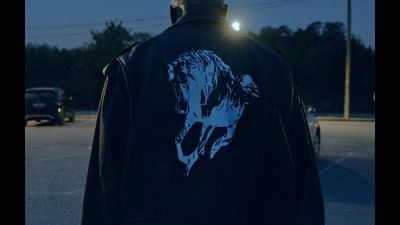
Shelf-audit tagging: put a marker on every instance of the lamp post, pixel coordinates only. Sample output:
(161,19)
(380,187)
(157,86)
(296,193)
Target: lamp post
(348,64)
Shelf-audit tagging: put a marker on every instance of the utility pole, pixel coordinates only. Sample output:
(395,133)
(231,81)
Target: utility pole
(348,64)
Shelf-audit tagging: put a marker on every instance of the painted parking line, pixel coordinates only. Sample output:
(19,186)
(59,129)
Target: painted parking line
(77,191)
(61,157)
(335,163)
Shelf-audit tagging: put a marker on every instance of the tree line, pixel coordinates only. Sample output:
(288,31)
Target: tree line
(316,53)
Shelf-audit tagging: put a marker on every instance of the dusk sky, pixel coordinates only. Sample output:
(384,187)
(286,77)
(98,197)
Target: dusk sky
(66,24)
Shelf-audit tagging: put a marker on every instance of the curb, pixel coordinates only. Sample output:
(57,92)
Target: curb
(86,116)
(346,120)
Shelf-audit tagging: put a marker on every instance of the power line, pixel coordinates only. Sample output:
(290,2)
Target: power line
(57,35)
(272,4)
(85,33)
(268,4)
(93,24)
(262,5)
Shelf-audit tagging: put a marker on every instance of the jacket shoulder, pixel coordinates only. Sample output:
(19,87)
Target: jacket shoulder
(275,58)
(121,58)
(270,50)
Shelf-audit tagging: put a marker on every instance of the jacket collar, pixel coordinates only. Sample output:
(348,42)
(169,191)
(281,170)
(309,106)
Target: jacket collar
(201,14)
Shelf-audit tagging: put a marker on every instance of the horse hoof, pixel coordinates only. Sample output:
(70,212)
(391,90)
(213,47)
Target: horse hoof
(187,171)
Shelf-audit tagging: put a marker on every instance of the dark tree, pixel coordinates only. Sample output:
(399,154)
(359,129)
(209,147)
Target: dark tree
(317,55)
(104,46)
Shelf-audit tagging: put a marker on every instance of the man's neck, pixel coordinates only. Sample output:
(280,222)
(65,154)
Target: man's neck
(207,11)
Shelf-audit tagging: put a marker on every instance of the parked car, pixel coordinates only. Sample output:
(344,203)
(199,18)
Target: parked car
(315,130)
(48,103)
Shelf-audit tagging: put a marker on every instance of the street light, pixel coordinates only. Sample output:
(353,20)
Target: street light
(236,26)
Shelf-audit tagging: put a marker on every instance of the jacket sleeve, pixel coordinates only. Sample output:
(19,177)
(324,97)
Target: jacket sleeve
(306,183)
(101,204)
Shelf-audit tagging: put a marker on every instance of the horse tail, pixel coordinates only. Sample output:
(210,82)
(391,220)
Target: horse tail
(248,85)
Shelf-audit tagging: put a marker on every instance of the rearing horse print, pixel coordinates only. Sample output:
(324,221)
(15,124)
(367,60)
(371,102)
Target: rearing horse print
(208,92)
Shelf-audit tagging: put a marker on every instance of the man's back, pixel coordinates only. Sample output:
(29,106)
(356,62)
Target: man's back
(201,125)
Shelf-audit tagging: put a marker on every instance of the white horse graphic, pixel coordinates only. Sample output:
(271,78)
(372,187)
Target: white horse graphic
(208,92)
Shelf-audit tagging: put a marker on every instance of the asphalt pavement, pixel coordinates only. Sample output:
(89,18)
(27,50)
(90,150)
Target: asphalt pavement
(56,160)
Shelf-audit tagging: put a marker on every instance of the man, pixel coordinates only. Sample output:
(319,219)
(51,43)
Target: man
(201,125)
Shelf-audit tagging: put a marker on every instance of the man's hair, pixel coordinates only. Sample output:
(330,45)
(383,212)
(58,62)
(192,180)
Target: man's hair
(178,3)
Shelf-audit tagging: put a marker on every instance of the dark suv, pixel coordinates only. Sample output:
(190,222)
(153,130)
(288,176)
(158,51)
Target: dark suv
(48,103)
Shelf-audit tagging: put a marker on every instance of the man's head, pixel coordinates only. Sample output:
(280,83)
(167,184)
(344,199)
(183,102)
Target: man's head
(180,7)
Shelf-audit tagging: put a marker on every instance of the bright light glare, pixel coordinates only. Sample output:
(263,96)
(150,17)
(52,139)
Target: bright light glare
(236,26)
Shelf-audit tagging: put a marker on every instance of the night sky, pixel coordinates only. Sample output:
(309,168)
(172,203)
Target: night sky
(66,24)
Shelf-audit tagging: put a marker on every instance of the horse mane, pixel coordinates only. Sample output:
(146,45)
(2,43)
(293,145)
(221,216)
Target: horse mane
(205,60)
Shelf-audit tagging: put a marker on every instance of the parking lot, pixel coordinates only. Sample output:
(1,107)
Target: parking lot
(57,158)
